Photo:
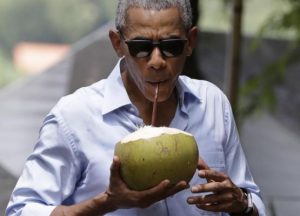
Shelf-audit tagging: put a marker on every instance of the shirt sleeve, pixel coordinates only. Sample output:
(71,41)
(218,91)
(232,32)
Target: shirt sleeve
(236,163)
(35,209)
(49,175)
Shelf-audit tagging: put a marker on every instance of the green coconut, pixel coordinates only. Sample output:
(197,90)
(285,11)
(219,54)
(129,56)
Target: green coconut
(152,154)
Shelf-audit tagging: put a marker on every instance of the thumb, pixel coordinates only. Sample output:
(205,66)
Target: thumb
(115,167)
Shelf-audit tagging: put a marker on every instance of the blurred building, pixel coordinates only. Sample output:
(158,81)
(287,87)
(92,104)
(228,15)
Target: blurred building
(30,57)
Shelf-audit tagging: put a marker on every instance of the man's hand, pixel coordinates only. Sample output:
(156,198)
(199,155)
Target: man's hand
(223,195)
(123,197)
(118,196)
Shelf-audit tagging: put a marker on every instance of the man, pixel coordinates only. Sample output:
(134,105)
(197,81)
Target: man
(70,171)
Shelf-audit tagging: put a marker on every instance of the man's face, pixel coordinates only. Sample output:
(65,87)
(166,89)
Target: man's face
(143,74)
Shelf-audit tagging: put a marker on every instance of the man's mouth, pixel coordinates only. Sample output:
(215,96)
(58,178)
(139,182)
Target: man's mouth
(157,82)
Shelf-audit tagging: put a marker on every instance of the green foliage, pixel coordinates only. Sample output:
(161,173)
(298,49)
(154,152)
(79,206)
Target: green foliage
(285,22)
(291,18)
(259,91)
(7,71)
(50,21)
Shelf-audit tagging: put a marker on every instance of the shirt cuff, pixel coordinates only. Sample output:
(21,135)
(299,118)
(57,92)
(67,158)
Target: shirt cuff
(259,204)
(35,209)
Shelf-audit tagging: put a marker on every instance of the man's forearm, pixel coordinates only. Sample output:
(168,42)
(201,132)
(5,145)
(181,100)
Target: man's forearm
(96,206)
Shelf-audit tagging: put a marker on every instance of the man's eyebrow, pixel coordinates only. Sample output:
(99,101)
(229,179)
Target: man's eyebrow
(140,38)
(163,38)
(171,37)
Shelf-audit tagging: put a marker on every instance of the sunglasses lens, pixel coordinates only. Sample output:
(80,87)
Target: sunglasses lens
(144,48)
(172,47)
(140,48)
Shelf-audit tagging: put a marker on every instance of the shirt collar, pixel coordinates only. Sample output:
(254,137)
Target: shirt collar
(115,94)
(186,92)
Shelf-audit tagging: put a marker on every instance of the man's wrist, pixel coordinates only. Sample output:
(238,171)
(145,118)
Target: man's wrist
(248,210)
(96,206)
(104,203)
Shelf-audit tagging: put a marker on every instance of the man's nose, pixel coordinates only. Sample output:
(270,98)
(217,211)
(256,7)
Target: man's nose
(157,60)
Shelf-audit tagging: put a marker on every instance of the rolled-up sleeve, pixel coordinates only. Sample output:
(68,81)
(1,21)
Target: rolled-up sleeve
(49,175)
(259,204)
(236,160)
(35,209)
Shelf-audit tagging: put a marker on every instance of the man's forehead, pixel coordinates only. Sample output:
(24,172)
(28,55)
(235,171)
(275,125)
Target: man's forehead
(138,17)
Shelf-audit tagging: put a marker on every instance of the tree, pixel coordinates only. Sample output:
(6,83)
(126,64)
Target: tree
(259,91)
(232,72)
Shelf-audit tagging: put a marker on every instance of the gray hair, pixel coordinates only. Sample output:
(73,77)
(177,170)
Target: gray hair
(184,7)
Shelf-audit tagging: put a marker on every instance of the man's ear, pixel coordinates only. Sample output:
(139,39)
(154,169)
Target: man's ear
(193,39)
(116,42)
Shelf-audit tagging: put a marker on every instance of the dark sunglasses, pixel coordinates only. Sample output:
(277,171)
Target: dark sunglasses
(141,48)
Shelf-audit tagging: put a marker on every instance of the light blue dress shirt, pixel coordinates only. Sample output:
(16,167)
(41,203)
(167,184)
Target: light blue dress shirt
(71,160)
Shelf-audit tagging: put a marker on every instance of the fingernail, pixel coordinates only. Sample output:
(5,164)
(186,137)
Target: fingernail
(201,173)
(166,183)
(190,200)
(183,184)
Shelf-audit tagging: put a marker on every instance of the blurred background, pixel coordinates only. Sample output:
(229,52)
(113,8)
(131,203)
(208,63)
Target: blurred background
(249,48)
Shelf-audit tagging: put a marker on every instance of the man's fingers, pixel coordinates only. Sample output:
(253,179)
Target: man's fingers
(215,207)
(201,164)
(210,198)
(214,203)
(212,175)
(164,189)
(178,187)
(214,187)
